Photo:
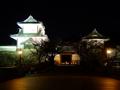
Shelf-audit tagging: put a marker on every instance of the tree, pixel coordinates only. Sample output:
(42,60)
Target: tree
(92,55)
(37,48)
(43,50)
(40,50)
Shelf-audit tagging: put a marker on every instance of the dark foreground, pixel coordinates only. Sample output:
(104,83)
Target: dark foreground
(61,82)
(58,78)
(7,73)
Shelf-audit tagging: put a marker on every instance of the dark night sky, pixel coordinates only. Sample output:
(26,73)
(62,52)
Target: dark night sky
(67,20)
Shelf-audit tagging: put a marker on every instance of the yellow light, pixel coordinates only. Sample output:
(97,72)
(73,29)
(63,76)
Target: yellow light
(57,59)
(20,52)
(109,51)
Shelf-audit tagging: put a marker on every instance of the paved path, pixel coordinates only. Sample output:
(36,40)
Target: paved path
(61,82)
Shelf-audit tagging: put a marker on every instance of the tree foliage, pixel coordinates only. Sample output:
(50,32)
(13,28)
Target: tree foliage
(92,54)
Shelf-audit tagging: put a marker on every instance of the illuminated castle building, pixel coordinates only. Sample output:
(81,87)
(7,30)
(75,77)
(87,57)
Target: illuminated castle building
(94,39)
(30,30)
(93,45)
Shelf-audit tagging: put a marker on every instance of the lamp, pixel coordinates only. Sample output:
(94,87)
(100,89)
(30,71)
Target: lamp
(20,54)
(109,52)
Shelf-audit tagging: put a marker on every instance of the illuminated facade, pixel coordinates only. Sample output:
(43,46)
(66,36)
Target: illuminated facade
(92,48)
(94,39)
(30,30)
(67,56)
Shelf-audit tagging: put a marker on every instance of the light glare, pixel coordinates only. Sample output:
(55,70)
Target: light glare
(109,51)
